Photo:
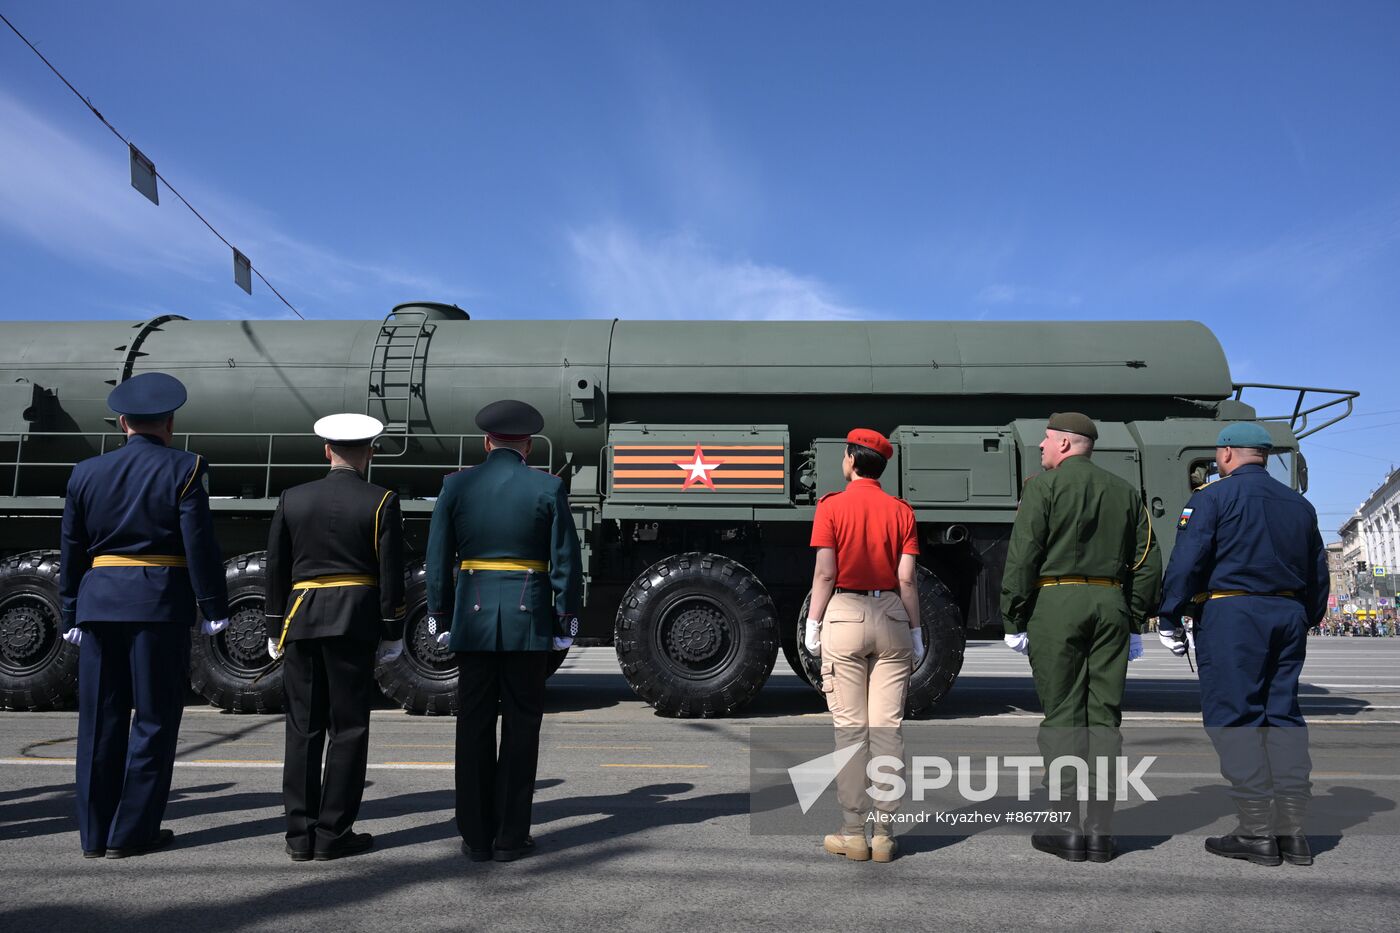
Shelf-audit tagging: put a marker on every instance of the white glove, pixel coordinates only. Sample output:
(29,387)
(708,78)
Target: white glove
(918,636)
(563,642)
(213,626)
(1173,639)
(1019,643)
(390,650)
(1134,647)
(810,638)
(272,649)
(73,636)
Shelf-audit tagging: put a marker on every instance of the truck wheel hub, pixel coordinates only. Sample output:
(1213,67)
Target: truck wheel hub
(696,633)
(246,637)
(22,630)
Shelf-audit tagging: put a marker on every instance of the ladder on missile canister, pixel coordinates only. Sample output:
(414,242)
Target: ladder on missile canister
(397,369)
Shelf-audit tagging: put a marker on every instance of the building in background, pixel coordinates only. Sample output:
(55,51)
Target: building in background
(1339,572)
(1371,545)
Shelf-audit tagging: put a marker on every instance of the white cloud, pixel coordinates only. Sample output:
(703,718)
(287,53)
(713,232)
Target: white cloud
(620,274)
(1002,293)
(73,196)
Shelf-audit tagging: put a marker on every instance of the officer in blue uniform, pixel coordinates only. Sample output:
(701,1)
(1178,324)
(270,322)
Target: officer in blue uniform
(139,553)
(507,531)
(1250,568)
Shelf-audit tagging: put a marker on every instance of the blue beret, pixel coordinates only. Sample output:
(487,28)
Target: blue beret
(1245,434)
(148,395)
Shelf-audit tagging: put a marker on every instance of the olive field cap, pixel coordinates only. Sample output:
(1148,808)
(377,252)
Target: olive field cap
(874,440)
(1072,422)
(1245,434)
(348,430)
(510,420)
(148,396)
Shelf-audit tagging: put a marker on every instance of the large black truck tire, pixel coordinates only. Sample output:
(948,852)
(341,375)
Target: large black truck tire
(38,669)
(423,679)
(232,669)
(945,639)
(696,635)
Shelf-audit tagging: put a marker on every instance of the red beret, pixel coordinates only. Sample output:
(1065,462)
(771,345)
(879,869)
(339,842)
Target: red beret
(872,439)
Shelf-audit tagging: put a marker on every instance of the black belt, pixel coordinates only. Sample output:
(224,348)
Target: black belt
(842,589)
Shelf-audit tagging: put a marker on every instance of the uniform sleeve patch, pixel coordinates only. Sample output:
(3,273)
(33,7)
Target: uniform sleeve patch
(1185,518)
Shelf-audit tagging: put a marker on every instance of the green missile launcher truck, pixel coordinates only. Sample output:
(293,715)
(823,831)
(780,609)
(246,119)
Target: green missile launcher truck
(694,453)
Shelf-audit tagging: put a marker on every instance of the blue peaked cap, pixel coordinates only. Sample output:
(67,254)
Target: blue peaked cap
(1245,434)
(148,395)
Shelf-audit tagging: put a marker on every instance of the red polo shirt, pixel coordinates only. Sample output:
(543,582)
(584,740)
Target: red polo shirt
(870,529)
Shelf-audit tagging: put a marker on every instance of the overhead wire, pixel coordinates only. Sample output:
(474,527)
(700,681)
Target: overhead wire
(173,190)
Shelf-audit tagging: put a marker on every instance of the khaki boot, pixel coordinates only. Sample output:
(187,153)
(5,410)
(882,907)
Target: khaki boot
(883,848)
(853,847)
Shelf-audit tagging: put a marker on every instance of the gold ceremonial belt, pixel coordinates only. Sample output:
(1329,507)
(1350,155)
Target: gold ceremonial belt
(138,560)
(1222,594)
(321,583)
(1077,581)
(506,563)
(336,579)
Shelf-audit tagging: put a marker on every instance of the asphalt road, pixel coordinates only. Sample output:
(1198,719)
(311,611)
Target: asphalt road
(643,823)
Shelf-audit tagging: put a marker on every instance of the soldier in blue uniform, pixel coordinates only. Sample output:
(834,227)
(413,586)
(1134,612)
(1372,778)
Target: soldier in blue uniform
(508,532)
(1250,568)
(138,553)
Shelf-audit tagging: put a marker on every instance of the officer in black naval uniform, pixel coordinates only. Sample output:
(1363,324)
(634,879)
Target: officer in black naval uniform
(335,590)
(1250,567)
(507,530)
(138,553)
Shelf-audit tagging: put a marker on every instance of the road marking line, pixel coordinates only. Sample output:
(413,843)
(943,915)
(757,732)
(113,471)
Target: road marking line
(615,748)
(438,745)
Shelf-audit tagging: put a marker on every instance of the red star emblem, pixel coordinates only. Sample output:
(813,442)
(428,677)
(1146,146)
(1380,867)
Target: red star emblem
(699,469)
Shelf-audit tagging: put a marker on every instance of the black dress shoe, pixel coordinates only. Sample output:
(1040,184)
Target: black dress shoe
(511,853)
(94,853)
(298,855)
(476,855)
(1069,846)
(163,839)
(353,844)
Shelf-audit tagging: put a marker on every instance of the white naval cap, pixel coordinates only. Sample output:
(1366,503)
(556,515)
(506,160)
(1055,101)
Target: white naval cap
(348,430)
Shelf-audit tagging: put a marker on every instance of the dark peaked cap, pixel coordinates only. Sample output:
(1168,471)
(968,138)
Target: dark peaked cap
(510,420)
(148,396)
(1072,422)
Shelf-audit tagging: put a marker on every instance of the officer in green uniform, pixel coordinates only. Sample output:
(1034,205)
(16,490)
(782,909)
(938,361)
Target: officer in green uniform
(1082,573)
(507,530)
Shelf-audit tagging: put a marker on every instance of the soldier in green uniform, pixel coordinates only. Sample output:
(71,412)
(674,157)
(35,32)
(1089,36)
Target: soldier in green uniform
(507,531)
(1082,573)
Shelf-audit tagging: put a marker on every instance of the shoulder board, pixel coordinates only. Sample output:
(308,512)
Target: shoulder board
(903,503)
(822,499)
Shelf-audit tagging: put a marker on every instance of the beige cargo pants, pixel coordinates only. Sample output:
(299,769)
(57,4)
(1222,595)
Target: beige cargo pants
(867,657)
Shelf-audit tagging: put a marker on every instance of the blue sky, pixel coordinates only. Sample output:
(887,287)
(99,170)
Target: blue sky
(1237,164)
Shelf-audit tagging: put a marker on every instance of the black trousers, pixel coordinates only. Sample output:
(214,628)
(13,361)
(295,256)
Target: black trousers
(328,685)
(125,767)
(496,788)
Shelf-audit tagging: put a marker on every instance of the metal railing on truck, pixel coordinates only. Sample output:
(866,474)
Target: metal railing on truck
(101,442)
